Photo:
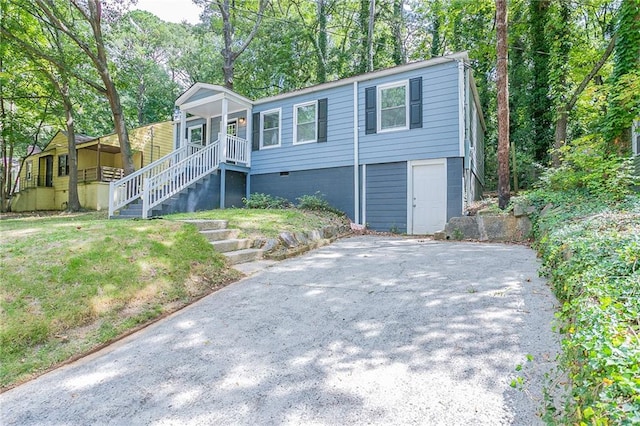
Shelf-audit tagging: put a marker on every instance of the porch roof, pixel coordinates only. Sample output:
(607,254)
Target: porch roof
(205,100)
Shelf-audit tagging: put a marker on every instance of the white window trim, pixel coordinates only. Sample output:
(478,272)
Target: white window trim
(295,123)
(379,90)
(191,129)
(262,114)
(29,169)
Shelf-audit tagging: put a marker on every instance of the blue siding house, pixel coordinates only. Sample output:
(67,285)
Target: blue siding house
(397,149)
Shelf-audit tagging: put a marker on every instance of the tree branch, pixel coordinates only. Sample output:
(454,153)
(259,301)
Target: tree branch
(596,68)
(62,26)
(254,30)
(34,53)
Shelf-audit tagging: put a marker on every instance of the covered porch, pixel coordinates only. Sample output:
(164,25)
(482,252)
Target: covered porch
(208,114)
(100,162)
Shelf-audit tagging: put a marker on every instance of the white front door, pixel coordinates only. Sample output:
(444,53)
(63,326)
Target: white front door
(428,192)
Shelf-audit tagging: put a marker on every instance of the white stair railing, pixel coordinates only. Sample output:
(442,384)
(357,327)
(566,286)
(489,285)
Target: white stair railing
(128,189)
(235,149)
(171,181)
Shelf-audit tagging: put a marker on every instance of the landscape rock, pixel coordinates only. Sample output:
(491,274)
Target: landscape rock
(288,239)
(488,228)
(462,228)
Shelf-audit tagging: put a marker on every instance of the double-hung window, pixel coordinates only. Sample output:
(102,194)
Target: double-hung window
(305,119)
(393,106)
(270,125)
(63,165)
(195,134)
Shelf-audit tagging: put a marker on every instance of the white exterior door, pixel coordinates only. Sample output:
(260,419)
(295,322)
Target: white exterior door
(427,196)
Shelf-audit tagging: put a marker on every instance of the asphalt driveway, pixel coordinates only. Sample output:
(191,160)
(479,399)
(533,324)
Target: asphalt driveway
(369,330)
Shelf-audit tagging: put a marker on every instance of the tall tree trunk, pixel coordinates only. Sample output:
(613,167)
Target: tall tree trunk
(503,105)
(101,63)
(3,149)
(397,25)
(540,102)
(624,96)
(322,42)
(229,55)
(363,20)
(73,203)
(372,17)
(436,8)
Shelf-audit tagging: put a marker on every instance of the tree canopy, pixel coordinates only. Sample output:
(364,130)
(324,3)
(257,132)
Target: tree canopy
(573,66)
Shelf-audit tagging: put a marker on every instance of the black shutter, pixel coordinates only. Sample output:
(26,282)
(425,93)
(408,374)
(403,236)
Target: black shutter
(322,120)
(370,110)
(255,142)
(204,134)
(415,103)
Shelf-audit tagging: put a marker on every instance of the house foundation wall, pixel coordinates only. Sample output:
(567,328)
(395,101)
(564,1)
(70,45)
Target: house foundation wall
(334,184)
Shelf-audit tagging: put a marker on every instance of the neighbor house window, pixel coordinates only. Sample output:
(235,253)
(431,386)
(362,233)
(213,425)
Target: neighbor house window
(195,134)
(29,169)
(305,117)
(63,165)
(270,136)
(393,108)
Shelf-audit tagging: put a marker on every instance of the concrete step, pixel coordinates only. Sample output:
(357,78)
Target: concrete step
(220,234)
(206,224)
(243,256)
(226,246)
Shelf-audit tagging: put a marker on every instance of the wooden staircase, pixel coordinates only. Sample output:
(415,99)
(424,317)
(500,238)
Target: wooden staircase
(226,241)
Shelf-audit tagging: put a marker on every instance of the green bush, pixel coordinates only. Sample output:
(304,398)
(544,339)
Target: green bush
(316,202)
(265,201)
(591,254)
(586,165)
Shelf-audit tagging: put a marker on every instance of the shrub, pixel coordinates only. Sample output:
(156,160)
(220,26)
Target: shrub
(265,201)
(587,165)
(316,202)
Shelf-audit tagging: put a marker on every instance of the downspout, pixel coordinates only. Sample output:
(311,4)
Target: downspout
(356,159)
(461,123)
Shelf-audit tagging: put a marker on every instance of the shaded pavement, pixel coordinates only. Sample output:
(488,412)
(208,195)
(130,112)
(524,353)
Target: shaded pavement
(368,330)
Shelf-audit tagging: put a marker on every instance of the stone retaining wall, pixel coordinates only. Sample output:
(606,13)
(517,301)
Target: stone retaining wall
(485,226)
(289,244)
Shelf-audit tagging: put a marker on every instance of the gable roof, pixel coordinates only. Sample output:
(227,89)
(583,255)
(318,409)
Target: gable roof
(214,89)
(460,56)
(80,138)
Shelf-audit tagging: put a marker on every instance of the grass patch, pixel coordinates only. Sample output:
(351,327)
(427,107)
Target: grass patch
(267,222)
(69,283)
(591,254)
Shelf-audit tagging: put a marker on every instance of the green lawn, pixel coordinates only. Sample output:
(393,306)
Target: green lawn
(69,283)
(267,222)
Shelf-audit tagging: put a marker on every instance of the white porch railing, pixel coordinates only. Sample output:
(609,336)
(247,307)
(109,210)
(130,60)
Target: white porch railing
(174,179)
(129,188)
(172,173)
(236,149)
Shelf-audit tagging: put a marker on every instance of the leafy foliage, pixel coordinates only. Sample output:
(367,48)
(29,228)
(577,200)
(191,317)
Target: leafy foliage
(316,202)
(587,165)
(591,254)
(265,201)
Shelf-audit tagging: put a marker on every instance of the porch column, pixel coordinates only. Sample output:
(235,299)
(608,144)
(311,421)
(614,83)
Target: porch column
(182,137)
(207,137)
(248,136)
(223,184)
(223,129)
